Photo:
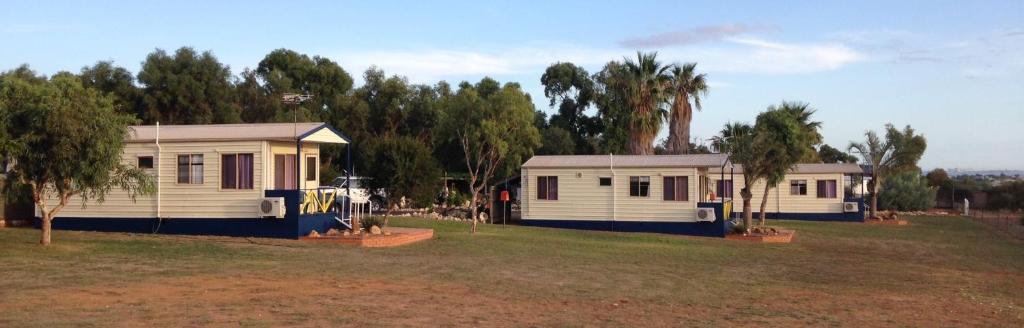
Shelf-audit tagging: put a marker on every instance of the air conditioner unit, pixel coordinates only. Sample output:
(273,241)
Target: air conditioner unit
(849,207)
(705,214)
(272,207)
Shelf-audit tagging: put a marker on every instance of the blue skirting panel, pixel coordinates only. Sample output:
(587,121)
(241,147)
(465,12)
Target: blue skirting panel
(715,228)
(838,217)
(292,226)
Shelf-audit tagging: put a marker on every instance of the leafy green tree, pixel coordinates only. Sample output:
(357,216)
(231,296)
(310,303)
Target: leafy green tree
(613,111)
(899,152)
(116,81)
(404,167)
(906,191)
(66,141)
(494,130)
(738,140)
(783,136)
(828,154)
(572,89)
(1007,196)
(686,86)
(186,88)
(286,71)
(255,101)
(556,141)
(937,177)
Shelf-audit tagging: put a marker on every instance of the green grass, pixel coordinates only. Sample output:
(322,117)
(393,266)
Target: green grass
(939,268)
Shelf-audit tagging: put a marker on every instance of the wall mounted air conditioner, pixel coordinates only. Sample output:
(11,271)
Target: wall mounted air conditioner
(272,207)
(705,214)
(849,207)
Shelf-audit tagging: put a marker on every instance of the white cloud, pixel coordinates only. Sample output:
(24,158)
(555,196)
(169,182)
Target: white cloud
(735,55)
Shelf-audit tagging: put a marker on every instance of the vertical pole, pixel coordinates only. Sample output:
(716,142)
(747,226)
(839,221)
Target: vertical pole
(298,162)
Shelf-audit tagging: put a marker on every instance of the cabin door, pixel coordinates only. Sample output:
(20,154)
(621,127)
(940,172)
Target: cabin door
(284,171)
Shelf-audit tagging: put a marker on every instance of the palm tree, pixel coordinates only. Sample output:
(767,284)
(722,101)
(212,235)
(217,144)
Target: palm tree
(645,84)
(802,112)
(737,140)
(899,152)
(686,85)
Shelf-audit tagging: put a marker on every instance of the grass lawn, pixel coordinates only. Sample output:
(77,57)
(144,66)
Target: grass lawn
(939,271)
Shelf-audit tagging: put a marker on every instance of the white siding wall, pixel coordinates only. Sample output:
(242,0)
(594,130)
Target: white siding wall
(206,200)
(580,197)
(780,199)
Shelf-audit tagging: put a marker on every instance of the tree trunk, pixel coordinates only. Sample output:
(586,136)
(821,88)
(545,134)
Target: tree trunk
(679,126)
(46,228)
(472,210)
(747,211)
(764,202)
(639,144)
(875,198)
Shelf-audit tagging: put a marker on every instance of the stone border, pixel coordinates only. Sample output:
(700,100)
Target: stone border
(899,222)
(784,237)
(397,237)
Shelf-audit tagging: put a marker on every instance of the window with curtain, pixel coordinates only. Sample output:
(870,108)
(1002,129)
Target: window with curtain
(547,187)
(723,188)
(284,172)
(827,189)
(311,167)
(798,187)
(676,189)
(639,186)
(190,169)
(236,171)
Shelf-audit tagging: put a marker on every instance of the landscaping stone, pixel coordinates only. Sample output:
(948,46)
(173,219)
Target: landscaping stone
(314,234)
(333,232)
(375,230)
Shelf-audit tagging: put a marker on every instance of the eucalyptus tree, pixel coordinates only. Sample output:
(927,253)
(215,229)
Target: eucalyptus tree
(494,129)
(898,152)
(572,89)
(116,81)
(186,88)
(65,141)
(687,86)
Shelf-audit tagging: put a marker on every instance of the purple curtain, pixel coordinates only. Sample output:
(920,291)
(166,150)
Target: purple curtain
(542,187)
(553,188)
(245,172)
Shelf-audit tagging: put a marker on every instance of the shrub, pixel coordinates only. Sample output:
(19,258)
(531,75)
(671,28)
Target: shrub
(906,191)
(368,222)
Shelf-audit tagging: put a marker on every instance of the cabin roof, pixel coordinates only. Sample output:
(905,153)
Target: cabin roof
(811,168)
(570,161)
(310,132)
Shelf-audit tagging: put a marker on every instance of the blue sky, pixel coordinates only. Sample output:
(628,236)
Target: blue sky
(952,70)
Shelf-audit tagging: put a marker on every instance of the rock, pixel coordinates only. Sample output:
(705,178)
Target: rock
(375,230)
(346,233)
(314,234)
(333,232)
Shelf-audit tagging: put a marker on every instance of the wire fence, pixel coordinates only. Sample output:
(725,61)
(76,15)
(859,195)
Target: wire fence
(1008,221)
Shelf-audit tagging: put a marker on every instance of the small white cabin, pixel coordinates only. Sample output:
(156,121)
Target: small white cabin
(212,179)
(654,193)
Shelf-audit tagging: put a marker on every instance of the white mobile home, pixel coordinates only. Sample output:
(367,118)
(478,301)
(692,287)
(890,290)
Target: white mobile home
(653,193)
(820,192)
(215,179)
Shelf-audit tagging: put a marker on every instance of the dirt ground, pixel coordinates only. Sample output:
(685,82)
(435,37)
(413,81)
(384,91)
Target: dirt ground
(254,301)
(832,275)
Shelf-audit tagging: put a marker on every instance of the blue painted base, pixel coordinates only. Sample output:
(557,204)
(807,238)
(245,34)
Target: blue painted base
(291,228)
(834,217)
(715,228)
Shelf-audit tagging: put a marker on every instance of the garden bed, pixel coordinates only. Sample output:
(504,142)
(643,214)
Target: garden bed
(898,222)
(783,237)
(394,237)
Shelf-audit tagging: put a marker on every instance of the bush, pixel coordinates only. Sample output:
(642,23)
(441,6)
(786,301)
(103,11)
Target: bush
(368,222)
(907,191)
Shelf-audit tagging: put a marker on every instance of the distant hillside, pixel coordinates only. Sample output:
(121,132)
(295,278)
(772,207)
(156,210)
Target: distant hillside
(959,172)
